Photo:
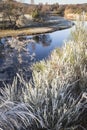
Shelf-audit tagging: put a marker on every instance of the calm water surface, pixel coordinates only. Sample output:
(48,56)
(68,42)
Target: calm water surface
(14,58)
(45,43)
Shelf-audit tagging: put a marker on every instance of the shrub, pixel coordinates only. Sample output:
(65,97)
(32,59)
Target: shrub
(35,14)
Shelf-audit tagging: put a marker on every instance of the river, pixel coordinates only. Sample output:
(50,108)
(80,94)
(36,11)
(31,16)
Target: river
(15,58)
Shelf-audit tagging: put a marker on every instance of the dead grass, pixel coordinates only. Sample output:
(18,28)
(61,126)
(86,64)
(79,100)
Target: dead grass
(27,31)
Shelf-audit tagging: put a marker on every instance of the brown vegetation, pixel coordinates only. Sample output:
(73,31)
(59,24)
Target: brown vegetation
(11,11)
(72,11)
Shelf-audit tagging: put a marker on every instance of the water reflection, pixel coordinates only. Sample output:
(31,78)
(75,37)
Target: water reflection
(15,54)
(10,62)
(41,46)
(44,39)
(18,53)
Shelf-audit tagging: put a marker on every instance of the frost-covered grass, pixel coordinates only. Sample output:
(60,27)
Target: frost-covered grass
(15,116)
(56,93)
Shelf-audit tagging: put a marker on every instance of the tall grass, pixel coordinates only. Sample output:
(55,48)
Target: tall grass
(14,115)
(57,92)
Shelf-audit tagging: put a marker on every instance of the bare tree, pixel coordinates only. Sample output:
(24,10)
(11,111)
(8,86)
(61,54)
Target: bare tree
(11,12)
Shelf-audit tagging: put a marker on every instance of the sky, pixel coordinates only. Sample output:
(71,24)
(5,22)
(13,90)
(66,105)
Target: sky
(58,1)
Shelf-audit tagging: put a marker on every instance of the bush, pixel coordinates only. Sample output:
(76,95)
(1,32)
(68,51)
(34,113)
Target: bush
(35,14)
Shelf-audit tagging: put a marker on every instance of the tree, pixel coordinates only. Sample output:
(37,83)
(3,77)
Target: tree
(55,7)
(35,13)
(11,12)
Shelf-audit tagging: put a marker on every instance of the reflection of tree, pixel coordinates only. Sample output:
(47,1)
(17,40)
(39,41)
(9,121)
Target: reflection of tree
(1,50)
(20,58)
(0,42)
(44,39)
(16,44)
(7,68)
(11,58)
(36,38)
(14,55)
(33,46)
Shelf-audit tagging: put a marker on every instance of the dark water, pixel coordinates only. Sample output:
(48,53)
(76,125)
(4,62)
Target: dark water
(45,43)
(15,58)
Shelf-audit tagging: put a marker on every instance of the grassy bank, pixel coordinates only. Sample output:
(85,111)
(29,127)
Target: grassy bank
(30,31)
(25,31)
(55,98)
(38,28)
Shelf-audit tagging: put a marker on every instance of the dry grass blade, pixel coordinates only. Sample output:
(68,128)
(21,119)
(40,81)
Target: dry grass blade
(16,116)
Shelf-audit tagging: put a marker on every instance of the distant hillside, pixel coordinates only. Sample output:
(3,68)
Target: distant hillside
(59,9)
(72,11)
(11,11)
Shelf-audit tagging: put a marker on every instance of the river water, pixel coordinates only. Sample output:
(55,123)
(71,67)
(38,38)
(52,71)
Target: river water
(15,58)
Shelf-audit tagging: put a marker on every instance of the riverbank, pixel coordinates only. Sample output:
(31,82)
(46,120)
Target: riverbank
(29,31)
(53,24)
